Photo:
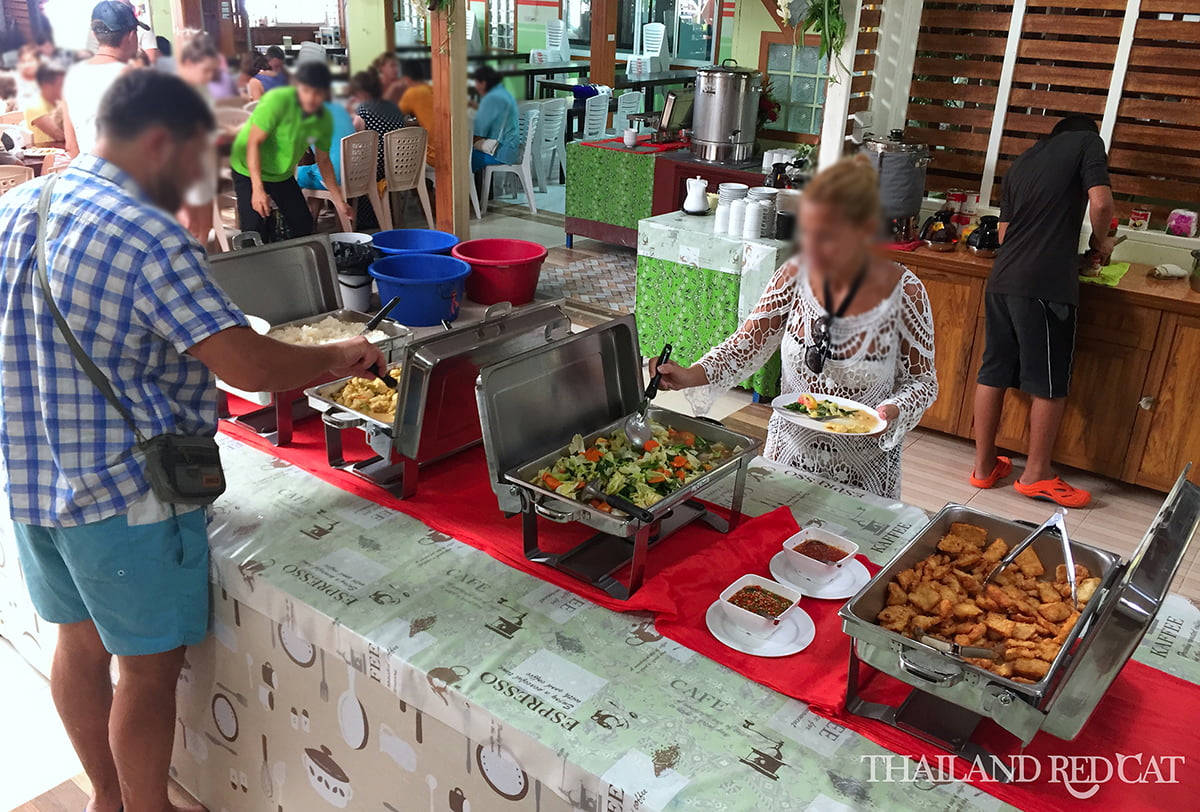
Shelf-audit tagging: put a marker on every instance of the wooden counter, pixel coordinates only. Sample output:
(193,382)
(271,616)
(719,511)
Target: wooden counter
(1131,411)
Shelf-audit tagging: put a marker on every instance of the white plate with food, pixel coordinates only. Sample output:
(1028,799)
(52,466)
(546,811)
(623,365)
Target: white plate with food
(43,152)
(844,585)
(795,633)
(830,414)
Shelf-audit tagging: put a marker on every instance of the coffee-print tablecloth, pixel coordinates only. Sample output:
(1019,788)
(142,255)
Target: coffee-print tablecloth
(527,696)
(694,288)
(360,660)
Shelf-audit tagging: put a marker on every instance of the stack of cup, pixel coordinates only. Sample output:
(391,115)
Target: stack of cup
(753,221)
(721,221)
(766,196)
(737,216)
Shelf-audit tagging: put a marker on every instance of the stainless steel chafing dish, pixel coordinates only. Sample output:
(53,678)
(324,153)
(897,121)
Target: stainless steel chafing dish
(436,412)
(532,405)
(952,696)
(289,284)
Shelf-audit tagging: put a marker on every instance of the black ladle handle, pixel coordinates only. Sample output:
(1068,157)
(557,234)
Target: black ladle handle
(663,357)
(621,503)
(382,374)
(381,315)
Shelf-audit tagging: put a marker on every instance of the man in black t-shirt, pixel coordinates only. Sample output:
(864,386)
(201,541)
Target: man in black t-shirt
(1032,296)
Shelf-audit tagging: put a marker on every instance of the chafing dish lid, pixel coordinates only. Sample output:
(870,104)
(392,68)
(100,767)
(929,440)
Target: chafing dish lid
(1127,612)
(283,281)
(502,332)
(535,402)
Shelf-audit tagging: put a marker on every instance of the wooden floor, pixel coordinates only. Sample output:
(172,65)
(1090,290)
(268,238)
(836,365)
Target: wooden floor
(73,796)
(936,468)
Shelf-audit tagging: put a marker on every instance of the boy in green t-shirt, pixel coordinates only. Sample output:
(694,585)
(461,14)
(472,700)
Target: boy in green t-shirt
(286,122)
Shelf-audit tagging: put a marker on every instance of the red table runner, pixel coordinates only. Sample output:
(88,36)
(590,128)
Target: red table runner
(643,144)
(1148,717)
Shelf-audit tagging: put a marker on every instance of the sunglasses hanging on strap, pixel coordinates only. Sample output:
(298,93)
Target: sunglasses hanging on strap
(818,349)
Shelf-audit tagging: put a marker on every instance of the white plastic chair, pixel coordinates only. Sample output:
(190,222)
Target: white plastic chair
(595,117)
(13,176)
(551,141)
(539,56)
(638,65)
(473,43)
(431,176)
(311,52)
(653,35)
(404,165)
(360,154)
(249,106)
(556,40)
(231,118)
(523,169)
(628,104)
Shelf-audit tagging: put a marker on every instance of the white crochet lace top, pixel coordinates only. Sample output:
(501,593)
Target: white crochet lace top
(884,355)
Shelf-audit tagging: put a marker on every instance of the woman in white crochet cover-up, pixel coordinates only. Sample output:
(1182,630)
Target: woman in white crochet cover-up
(880,348)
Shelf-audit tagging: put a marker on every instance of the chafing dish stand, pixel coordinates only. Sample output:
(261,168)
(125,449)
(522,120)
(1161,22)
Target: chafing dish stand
(436,412)
(532,405)
(950,696)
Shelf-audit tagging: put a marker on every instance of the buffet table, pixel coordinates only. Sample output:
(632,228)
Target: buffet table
(695,288)
(360,659)
(609,190)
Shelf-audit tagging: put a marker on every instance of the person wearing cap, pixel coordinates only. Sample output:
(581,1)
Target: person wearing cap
(121,572)
(267,150)
(115,27)
(147,41)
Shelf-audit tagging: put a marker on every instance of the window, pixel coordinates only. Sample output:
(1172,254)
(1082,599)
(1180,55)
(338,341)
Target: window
(502,27)
(412,13)
(797,76)
(691,25)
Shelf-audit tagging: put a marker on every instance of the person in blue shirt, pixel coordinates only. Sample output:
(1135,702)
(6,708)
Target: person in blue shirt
(497,130)
(121,572)
(309,176)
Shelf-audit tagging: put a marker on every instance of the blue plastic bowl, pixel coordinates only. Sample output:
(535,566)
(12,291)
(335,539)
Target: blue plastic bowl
(431,287)
(401,241)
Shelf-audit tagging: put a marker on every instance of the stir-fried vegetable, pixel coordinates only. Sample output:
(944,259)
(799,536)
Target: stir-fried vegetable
(809,406)
(667,462)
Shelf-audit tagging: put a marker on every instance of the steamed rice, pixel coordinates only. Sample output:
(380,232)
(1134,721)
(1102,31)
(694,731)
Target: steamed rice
(325,331)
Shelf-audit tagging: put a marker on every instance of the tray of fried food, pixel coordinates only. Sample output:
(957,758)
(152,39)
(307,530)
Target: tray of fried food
(1022,616)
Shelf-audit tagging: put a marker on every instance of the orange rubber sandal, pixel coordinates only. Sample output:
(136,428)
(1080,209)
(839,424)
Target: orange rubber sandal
(1003,468)
(1055,490)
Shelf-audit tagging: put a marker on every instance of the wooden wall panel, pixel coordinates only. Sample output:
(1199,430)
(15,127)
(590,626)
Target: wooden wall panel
(960,50)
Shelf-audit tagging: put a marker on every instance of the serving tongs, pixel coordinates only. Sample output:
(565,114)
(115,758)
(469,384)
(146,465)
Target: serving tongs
(637,427)
(955,650)
(376,320)
(1057,522)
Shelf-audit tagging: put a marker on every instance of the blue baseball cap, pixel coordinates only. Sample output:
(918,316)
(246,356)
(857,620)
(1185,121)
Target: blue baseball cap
(115,17)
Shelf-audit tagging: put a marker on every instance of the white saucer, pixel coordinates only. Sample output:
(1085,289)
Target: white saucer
(793,635)
(844,585)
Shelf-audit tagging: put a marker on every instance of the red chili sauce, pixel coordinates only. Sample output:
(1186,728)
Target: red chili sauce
(821,551)
(759,601)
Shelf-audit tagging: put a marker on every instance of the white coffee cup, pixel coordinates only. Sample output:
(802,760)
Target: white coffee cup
(630,137)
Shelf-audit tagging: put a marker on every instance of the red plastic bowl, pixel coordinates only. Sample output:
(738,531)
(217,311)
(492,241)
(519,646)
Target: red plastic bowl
(501,270)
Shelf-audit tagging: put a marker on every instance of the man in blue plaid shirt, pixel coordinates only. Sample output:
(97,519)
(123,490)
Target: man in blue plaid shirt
(123,573)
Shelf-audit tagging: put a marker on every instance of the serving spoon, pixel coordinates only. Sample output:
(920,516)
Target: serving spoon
(375,321)
(637,427)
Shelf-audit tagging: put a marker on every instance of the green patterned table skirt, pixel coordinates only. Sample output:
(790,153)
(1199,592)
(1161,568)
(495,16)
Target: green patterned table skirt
(609,186)
(695,310)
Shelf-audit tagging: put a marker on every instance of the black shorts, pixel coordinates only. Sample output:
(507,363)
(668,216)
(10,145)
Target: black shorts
(1030,345)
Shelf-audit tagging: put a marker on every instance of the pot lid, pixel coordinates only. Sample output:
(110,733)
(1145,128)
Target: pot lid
(893,142)
(725,68)
(1128,610)
(323,759)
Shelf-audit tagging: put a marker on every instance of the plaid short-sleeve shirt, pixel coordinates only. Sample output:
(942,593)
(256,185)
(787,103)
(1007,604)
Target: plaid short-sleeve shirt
(136,290)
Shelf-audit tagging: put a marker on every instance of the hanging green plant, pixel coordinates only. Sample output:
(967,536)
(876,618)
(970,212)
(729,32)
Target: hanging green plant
(825,18)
